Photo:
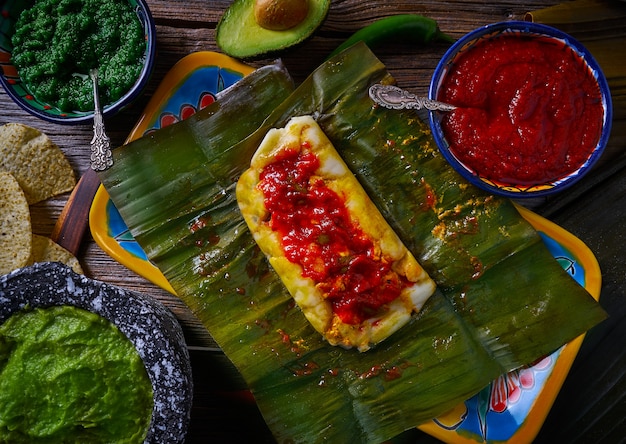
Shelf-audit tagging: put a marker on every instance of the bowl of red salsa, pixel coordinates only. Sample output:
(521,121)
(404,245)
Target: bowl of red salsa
(533,109)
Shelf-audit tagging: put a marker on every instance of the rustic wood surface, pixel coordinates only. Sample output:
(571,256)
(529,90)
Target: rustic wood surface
(591,407)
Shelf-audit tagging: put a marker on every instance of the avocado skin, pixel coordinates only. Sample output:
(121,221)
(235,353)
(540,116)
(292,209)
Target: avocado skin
(240,36)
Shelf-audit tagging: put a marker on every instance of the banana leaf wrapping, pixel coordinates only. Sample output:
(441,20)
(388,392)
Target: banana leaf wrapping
(502,300)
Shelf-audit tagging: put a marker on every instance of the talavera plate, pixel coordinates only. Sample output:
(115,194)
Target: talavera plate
(511,409)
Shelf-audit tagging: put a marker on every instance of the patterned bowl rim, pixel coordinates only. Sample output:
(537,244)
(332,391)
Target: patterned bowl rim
(516,190)
(145,16)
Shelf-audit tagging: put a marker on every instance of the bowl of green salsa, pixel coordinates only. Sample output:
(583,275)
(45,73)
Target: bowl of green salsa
(48,47)
(84,361)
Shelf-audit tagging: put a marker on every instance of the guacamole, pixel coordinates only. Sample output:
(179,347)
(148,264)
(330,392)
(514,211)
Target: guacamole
(69,375)
(57,42)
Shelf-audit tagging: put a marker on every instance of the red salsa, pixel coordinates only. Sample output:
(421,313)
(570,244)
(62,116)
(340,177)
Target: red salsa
(318,234)
(530,110)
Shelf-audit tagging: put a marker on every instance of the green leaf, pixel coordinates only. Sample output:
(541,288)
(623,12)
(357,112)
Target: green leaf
(502,299)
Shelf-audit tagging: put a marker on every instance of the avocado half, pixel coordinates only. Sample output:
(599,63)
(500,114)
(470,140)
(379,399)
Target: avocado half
(240,36)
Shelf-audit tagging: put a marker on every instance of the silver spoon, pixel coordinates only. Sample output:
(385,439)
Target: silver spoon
(101,157)
(393,97)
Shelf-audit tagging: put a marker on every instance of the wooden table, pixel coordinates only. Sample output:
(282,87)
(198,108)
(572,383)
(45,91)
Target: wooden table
(592,404)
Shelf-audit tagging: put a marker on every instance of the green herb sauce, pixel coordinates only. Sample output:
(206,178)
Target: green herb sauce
(55,40)
(69,375)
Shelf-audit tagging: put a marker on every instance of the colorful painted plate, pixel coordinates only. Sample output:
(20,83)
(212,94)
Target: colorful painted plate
(511,409)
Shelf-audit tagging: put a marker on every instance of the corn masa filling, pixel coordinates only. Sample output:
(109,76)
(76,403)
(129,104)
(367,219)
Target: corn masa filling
(347,270)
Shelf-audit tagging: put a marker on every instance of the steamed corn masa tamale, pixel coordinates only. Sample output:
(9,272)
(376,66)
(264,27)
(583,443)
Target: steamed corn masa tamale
(347,270)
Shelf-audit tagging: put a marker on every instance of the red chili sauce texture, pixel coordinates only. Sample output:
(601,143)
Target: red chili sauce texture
(530,110)
(318,234)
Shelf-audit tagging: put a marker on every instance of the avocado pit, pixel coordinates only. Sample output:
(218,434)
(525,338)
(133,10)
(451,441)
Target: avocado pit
(279,15)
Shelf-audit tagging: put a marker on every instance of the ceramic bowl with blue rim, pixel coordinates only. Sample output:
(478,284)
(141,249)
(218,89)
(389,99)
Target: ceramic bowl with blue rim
(22,94)
(511,186)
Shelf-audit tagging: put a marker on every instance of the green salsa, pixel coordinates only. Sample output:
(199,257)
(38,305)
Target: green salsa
(69,375)
(57,42)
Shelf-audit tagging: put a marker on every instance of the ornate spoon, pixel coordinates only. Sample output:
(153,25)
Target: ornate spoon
(72,223)
(393,97)
(101,157)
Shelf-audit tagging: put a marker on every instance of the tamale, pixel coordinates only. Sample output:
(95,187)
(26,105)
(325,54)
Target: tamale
(346,269)
(502,300)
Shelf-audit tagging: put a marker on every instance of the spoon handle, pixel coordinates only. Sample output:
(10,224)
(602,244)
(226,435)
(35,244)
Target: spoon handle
(393,97)
(101,157)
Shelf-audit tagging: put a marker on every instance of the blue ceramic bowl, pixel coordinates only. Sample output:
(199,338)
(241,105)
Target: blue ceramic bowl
(517,190)
(18,91)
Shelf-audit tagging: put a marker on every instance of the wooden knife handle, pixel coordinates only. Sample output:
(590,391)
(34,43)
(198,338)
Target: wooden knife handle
(72,223)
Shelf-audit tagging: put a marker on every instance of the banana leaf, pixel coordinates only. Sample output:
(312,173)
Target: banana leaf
(502,300)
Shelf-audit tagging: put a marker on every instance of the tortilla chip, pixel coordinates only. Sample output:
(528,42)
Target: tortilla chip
(38,164)
(46,250)
(15,225)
